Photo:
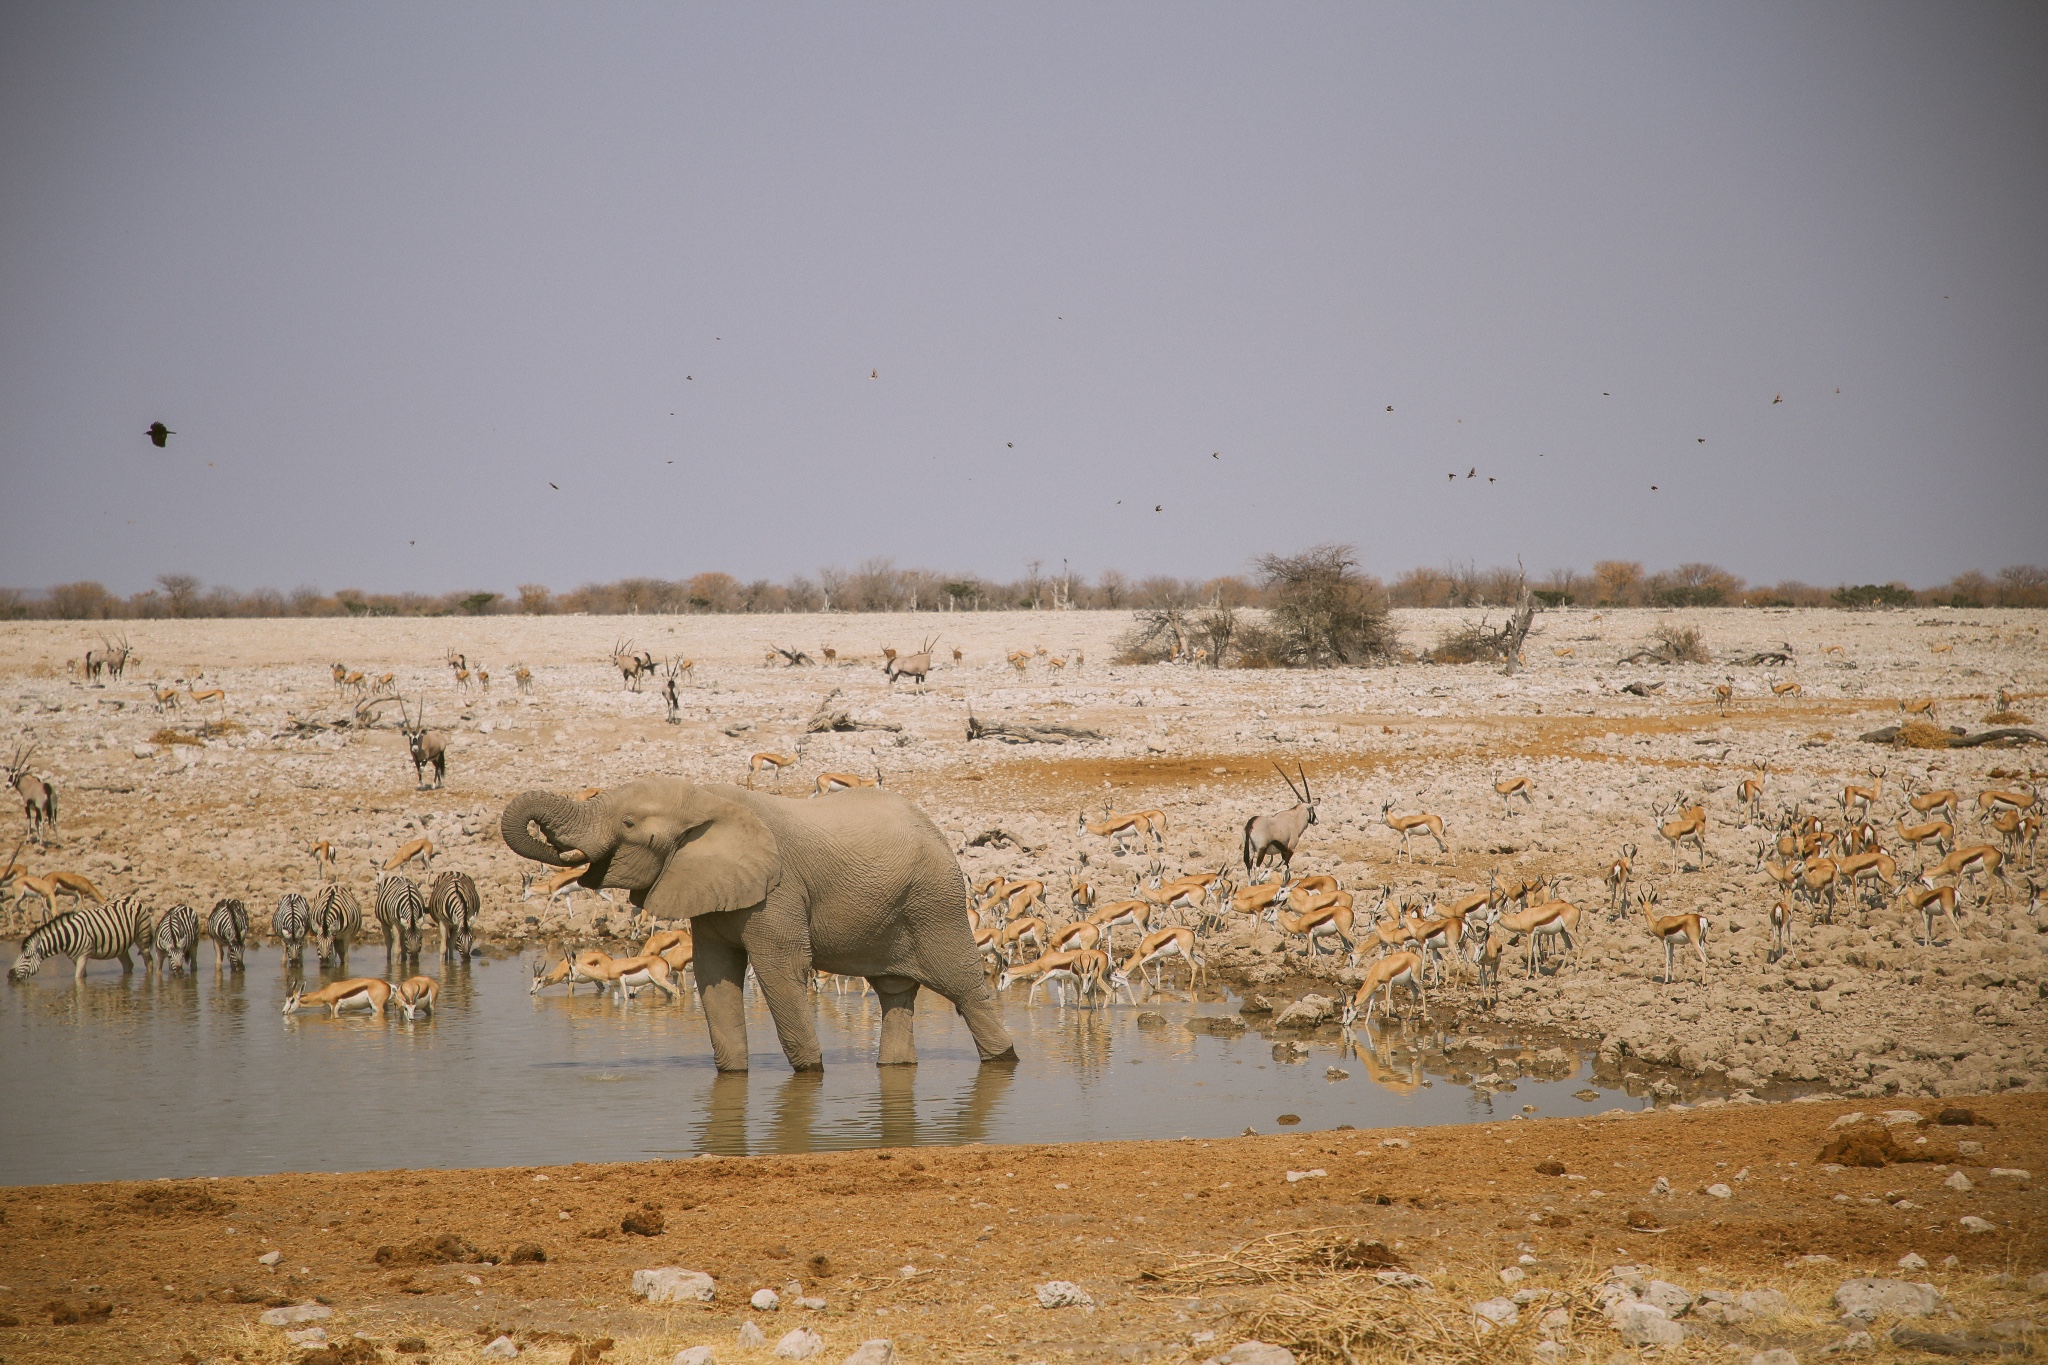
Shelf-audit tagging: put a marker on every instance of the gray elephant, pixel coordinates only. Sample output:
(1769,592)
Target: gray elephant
(860,883)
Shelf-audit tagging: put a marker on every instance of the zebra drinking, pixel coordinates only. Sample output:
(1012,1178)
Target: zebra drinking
(177,939)
(292,921)
(337,921)
(100,931)
(228,926)
(454,903)
(401,911)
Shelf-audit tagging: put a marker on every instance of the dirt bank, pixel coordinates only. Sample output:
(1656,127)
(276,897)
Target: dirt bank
(942,1249)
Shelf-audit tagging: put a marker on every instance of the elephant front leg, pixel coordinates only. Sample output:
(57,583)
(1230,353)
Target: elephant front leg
(899,1009)
(789,1004)
(721,980)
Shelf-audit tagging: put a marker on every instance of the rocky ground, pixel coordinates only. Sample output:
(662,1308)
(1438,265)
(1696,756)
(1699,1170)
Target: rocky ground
(226,798)
(1718,1233)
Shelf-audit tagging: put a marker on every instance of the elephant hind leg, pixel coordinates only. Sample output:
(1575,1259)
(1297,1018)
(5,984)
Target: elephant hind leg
(977,1005)
(899,1008)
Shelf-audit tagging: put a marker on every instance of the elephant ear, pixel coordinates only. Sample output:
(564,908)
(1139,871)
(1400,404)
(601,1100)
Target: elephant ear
(727,859)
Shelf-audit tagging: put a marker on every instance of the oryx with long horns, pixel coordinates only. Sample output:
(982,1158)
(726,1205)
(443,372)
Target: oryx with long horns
(1268,835)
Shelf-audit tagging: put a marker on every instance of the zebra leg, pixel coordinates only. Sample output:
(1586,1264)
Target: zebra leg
(79,975)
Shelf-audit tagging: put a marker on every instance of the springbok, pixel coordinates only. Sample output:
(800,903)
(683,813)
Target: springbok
(772,761)
(1147,825)
(1267,835)
(1862,797)
(1930,901)
(421,848)
(838,782)
(1509,788)
(1688,828)
(358,992)
(1618,873)
(1395,969)
(1668,929)
(1406,825)
(416,995)
(1749,794)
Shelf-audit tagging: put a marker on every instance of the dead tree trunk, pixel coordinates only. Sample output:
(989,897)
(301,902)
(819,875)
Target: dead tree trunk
(1518,630)
(833,714)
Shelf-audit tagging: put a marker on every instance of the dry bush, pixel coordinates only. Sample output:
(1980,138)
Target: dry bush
(2007,718)
(1157,635)
(1323,612)
(1918,734)
(1684,644)
(170,736)
(1471,644)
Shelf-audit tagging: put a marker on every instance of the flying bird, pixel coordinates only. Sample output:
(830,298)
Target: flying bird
(1703,440)
(1011,444)
(687,376)
(1473,472)
(1653,488)
(1452,475)
(1160,508)
(1215,454)
(1390,407)
(1779,399)
(159,434)
(874,374)
(1491,479)
(558,488)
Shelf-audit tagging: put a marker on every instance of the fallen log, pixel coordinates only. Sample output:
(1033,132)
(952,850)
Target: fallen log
(1643,689)
(1958,738)
(997,838)
(1777,658)
(1027,732)
(794,657)
(829,717)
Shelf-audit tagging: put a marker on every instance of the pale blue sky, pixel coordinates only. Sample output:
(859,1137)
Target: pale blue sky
(390,270)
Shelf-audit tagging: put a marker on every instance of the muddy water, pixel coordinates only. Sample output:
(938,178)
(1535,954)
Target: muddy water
(136,1077)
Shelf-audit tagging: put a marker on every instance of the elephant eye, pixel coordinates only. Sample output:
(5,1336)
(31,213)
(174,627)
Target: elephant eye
(629,822)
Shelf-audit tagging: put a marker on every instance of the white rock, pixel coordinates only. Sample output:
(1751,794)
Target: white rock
(1556,1320)
(1403,1279)
(298,1312)
(1912,1260)
(1893,1117)
(1972,1223)
(1669,1297)
(1845,1120)
(1661,1185)
(1393,1142)
(1959,1182)
(1513,1274)
(800,1344)
(2012,1173)
(1317,1174)
(504,1348)
(751,1335)
(270,1258)
(307,1336)
(1064,1294)
(766,1301)
(696,1355)
(1645,1324)
(815,1305)
(673,1284)
(1855,1341)
(1868,1299)
(1254,1353)
(1779,1356)
(880,1351)
(1495,1312)
(1765,1303)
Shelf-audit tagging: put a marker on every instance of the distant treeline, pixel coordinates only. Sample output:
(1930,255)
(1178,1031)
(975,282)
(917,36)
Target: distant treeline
(879,585)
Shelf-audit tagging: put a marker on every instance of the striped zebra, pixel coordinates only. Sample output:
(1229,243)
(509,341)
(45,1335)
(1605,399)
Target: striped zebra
(454,903)
(293,920)
(228,927)
(401,914)
(337,923)
(177,939)
(99,931)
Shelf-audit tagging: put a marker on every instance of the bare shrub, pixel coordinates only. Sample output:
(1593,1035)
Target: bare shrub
(1472,644)
(1323,611)
(1684,645)
(1157,635)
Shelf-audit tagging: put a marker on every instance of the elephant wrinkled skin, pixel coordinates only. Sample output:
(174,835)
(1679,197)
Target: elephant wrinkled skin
(860,883)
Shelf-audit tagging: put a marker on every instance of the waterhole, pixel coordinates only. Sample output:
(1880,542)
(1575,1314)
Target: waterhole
(127,1078)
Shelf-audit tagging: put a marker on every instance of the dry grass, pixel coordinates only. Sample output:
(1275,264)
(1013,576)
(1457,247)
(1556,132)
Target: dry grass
(1685,644)
(1327,1303)
(170,736)
(2007,718)
(1918,734)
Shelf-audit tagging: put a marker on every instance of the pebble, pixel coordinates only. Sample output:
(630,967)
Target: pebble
(751,1335)
(1912,1260)
(673,1284)
(504,1348)
(2012,1173)
(1720,1191)
(1959,1182)
(879,1351)
(1317,1174)
(766,1301)
(1064,1294)
(1671,1298)
(1660,1185)
(1645,1324)
(696,1355)
(270,1258)
(1253,1353)
(815,1305)
(800,1344)
(1972,1223)
(1867,1299)
(307,1337)
(1780,1356)
(1495,1312)
(1513,1274)
(1404,1279)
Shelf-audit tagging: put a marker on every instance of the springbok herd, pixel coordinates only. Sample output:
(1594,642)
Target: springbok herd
(1589,818)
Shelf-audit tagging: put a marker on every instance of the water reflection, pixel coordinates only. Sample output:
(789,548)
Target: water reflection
(139,1076)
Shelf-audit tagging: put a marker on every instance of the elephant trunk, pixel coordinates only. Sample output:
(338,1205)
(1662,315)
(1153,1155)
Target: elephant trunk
(567,826)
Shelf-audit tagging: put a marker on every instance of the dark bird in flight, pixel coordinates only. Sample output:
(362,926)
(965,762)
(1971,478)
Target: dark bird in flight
(1011,444)
(1653,488)
(159,434)
(1473,472)
(1491,479)
(558,488)
(1452,475)
(1779,399)
(1160,508)
(1605,394)
(1390,407)
(1703,440)
(874,374)
(687,376)
(1215,454)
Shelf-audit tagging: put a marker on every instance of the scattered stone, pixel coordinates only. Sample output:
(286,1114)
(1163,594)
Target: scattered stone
(766,1301)
(1151,1019)
(1513,1274)
(814,1305)
(1064,1294)
(1953,1343)
(1491,1313)
(1404,1279)
(2037,1283)
(1550,1168)
(270,1258)
(2011,1173)
(1216,1024)
(1868,1299)
(1720,1191)
(1255,1004)
(1780,1356)
(1549,1352)
(1765,1303)
(1645,1324)
(1972,1223)
(307,1337)
(1912,1260)
(1661,1185)
(673,1284)
(1336,1073)
(800,1343)
(298,1312)
(1855,1341)
(1308,1012)
(695,1355)
(1667,1296)
(751,1335)
(1393,1142)
(880,1351)
(1959,1182)
(502,1348)
(1253,1353)
(1317,1174)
